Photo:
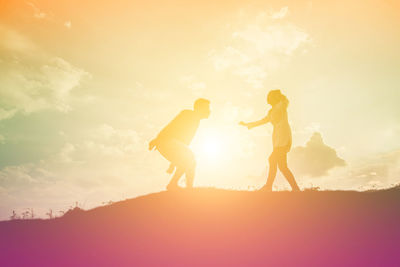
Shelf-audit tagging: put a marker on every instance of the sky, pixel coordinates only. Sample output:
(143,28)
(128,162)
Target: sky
(85,85)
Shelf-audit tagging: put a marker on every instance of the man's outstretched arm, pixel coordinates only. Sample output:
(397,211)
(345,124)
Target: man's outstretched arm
(152,144)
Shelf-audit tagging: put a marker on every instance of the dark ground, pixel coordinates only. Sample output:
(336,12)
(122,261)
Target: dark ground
(212,227)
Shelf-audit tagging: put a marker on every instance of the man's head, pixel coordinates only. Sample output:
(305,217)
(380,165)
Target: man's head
(202,107)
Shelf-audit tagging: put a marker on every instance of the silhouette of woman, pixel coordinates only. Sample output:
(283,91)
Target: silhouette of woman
(281,138)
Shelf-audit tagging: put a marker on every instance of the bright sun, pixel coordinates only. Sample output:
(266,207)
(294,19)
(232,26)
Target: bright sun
(211,148)
(216,146)
(208,146)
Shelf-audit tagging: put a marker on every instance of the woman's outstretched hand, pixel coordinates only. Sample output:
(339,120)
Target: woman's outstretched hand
(245,124)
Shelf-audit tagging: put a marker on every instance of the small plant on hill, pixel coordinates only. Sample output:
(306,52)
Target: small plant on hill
(73,210)
(50,214)
(27,214)
(14,216)
(312,188)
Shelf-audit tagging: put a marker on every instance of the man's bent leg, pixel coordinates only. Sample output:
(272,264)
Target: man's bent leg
(180,155)
(173,184)
(186,162)
(190,171)
(171,168)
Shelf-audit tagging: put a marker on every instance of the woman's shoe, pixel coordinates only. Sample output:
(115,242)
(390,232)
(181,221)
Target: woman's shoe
(265,189)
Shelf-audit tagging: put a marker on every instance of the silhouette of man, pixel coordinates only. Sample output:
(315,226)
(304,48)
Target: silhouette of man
(174,139)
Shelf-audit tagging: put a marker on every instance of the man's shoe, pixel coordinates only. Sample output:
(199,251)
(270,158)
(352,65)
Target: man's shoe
(172,187)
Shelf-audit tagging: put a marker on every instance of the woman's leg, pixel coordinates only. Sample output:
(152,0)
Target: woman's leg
(271,173)
(282,164)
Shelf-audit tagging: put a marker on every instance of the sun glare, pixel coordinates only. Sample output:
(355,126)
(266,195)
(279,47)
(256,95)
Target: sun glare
(211,148)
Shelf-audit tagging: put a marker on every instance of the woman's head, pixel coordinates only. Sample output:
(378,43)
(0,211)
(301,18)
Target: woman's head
(275,96)
(202,107)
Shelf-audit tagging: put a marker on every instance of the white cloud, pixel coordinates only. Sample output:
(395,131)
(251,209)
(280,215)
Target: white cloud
(259,48)
(313,127)
(283,12)
(6,114)
(144,92)
(68,24)
(15,42)
(253,74)
(195,86)
(37,12)
(228,57)
(232,114)
(31,79)
(65,153)
(283,39)
(23,176)
(119,142)
(106,164)
(315,159)
(373,172)
(103,144)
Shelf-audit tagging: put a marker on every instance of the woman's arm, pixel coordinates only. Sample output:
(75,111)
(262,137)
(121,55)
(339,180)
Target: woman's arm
(250,125)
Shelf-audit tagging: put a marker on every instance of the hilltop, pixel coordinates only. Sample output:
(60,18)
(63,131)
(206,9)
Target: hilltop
(214,227)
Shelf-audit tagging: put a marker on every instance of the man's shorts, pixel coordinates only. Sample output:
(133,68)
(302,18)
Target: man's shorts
(177,152)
